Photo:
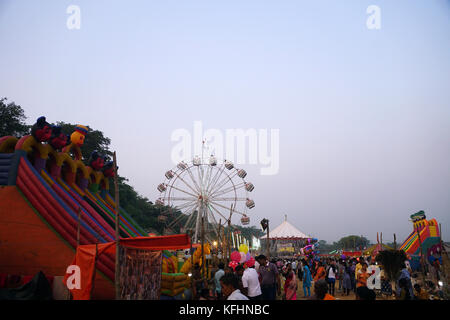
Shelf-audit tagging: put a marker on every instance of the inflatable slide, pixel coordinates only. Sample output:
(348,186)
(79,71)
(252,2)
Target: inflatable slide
(43,191)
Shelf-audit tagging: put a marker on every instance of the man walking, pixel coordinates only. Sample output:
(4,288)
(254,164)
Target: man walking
(269,278)
(219,274)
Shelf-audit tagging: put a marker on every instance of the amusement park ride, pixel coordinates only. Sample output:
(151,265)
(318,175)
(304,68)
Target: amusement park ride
(208,189)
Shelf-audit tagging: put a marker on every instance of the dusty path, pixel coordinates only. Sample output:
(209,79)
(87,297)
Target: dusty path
(338,295)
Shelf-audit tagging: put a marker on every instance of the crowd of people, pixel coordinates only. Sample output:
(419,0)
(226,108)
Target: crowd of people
(330,278)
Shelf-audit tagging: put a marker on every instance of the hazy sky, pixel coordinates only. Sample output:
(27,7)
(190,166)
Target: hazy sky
(364,115)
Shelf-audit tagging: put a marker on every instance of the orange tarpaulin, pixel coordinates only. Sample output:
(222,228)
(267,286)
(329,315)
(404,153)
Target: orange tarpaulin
(86,254)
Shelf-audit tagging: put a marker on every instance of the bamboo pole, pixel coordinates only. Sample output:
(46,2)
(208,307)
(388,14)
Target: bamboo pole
(219,239)
(229,233)
(116,186)
(78,226)
(421,255)
(203,251)
(192,255)
(95,270)
(443,264)
(225,246)
(395,242)
(268,241)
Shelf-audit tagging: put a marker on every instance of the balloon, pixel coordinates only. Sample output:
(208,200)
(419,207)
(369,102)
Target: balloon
(233,264)
(236,256)
(247,257)
(243,248)
(251,262)
(243,257)
(343,256)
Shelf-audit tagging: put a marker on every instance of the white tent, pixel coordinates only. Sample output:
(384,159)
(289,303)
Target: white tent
(285,231)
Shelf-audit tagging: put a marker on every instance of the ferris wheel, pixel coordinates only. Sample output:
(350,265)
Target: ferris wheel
(205,188)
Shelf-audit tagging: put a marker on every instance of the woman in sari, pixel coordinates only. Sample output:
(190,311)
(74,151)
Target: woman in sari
(320,272)
(307,279)
(290,284)
(347,281)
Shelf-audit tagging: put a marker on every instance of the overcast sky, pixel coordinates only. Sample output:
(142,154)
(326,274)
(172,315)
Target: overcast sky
(363,115)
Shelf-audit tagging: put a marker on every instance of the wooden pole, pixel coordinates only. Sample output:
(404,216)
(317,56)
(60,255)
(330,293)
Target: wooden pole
(225,246)
(192,261)
(229,233)
(192,255)
(78,226)
(203,251)
(395,242)
(116,186)
(219,239)
(268,241)
(443,264)
(421,256)
(95,270)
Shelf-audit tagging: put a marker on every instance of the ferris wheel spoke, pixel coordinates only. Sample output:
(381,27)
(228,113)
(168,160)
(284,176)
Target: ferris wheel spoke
(179,208)
(234,210)
(187,184)
(213,179)
(218,212)
(226,190)
(193,180)
(186,205)
(191,214)
(183,198)
(198,222)
(199,176)
(222,170)
(224,181)
(181,190)
(208,177)
(230,199)
(182,216)
(209,183)
(176,221)
(213,219)
(203,177)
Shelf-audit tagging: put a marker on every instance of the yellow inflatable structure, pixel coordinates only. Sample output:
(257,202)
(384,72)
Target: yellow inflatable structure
(186,268)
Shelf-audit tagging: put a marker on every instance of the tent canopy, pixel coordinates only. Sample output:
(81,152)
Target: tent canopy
(286,231)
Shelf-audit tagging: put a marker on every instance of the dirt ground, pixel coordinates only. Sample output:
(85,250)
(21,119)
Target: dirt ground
(338,294)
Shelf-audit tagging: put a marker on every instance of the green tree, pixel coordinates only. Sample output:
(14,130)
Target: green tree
(353,242)
(12,119)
